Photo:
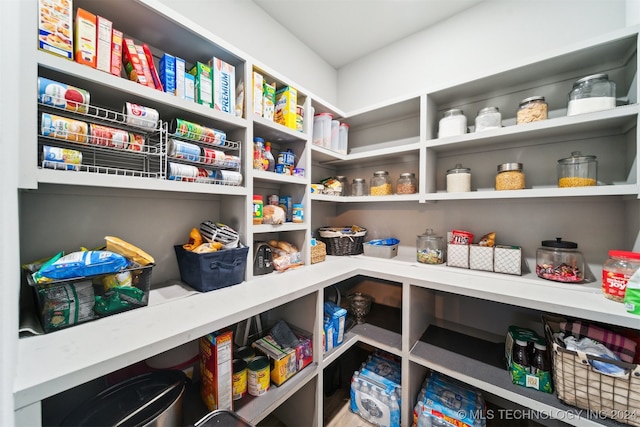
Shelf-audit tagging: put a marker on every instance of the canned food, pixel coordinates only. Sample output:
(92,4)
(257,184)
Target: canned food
(183,150)
(136,141)
(140,116)
(231,161)
(185,129)
(180,172)
(108,136)
(213,136)
(63,128)
(213,157)
(258,376)
(273,199)
(61,95)
(61,158)
(239,379)
(229,177)
(245,353)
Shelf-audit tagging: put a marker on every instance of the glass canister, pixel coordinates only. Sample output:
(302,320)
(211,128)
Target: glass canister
(532,109)
(359,187)
(380,184)
(577,170)
(510,177)
(430,248)
(560,261)
(458,179)
(488,118)
(616,272)
(453,123)
(343,180)
(592,93)
(407,183)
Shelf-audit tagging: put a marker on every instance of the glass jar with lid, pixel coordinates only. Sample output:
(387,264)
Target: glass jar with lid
(616,272)
(342,180)
(458,179)
(407,183)
(592,93)
(560,261)
(532,109)
(510,177)
(380,184)
(488,118)
(577,170)
(453,123)
(430,248)
(359,187)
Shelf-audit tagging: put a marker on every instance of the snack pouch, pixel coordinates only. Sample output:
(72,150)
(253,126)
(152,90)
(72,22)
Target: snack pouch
(81,264)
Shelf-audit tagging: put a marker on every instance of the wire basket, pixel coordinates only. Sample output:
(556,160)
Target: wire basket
(343,240)
(318,252)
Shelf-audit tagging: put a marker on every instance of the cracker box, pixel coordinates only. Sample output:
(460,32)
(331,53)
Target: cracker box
(285,107)
(55,27)
(224,85)
(180,77)
(203,89)
(116,52)
(337,317)
(257,81)
(103,51)
(86,34)
(268,100)
(152,66)
(216,368)
(167,72)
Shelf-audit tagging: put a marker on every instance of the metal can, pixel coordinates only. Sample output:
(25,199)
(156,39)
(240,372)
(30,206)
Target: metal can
(258,376)
(180,172)
(213,157)
(273,199)
(61,158)
(185,129)
(140,116)
(245,353)
(61,95)
(229,177)
(213,136)
(183,150)
(108,136)
(63,128)
(239,379)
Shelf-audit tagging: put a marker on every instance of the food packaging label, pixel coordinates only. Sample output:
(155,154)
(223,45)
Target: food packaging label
(268,101)
(257,93)
(55,27)
(189,87)
(216,364)
(141,116)
(146,69)
(285,107)
(63,128)
(204,86)
(152,66)
(85,38)
(116,52)
(181,78)
(68,159)
(61,95)
(103,51)
(167,72)
(224,86)
(132,64)
(109,137)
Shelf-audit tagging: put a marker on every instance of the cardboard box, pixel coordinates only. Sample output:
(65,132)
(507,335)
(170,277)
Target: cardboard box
(224,85)
(507,259)
(86,34)
(180,77)
(116,52)
(204,84)
(131,61)
(268,100)
(285,107)
(337,317)
(55,27)
(103,51)
(481,257)
(189,88)
(521,375)
(152,67)
(216,367)
(457,255)
(146,69)
(285,362)
(257,82)
(167,73)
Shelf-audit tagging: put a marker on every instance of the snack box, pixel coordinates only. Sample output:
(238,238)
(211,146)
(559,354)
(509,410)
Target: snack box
(167,72)
(216,369)
(55,27)
(103,50)
(257,81)
(268,100)
(337,317)
(224,85)
(86,34)
(285,107)
(146,68)
(286,362)
(132,62)
(204,83)
(116,52)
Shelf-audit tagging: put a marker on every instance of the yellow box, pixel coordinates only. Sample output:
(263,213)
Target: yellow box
(285,362)
(286,104)
(216,358)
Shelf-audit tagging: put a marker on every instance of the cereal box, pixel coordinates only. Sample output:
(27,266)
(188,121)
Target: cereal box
(285,108)
(116,52)
(55,27)
(203,89)
(216,358)
(268,100)
(180,79)
(224,85)
(103,51)
(167,72)
(258,81)
(86,34)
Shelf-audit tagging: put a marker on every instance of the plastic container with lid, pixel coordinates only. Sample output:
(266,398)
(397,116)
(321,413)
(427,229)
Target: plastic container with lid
(488,118)
(510,177)
(532,109)
(458,179)
(343,135)
(380,184)
(359,187)
(407,183)
(560,261)
(592,93)
(616,272)
(297,215)
(258,205)
(577,170)
(430,248)
(322,129)
(453,123)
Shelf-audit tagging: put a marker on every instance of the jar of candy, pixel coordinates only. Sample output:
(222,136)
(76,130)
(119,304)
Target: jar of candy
(407,183)
(380,184)
(453,123)
(592,93)
(532,109)
(616,272)
(510,177)
(488,118)
(430,248)
(359,187)
(560,261)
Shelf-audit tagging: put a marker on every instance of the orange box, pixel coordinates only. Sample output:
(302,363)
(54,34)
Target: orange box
(116,52)
(103,51)
(132,64)
(85,38)
(216,369)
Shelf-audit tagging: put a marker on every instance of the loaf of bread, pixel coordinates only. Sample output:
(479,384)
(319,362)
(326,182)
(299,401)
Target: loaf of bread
(272,214)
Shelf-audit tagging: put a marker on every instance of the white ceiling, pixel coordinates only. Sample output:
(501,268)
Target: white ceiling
(341,31)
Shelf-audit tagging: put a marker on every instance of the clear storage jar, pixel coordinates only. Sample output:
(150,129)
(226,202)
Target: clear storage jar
(322,129)
(488,118)
(430,248)
(380,184)
(532,109)
(359,187)
(510,177)
(453,123)
(592,93)
(343,180)
(458,179)
(577,170)
(407,183)
(560,261)
(616,272)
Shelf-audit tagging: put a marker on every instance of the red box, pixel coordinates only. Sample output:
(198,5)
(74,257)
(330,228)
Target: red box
(132,64)
(216,369)
(116,52)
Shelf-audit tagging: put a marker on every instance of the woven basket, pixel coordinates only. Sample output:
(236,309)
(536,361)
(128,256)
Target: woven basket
(318,252)
(578,383)
(343,240)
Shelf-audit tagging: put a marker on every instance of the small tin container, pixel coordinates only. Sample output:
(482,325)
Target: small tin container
(532,109)
(140,116)
(258,376)
(239,379)
(510,177)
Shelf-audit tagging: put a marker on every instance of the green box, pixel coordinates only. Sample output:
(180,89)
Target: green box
(204,84)
(521,375)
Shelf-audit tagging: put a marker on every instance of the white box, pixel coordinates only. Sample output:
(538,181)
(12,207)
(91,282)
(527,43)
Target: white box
(224,86)
(180,72)
(380,251)
(481,257)
(257,83)
(458,255)
(103,55)
(507,259)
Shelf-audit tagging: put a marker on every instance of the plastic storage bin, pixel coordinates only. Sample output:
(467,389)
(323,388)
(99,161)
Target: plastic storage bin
(381,250)
(213,270)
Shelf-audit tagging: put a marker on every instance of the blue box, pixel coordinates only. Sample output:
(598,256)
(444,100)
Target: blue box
(337,316)
(189,87)
(167,71)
